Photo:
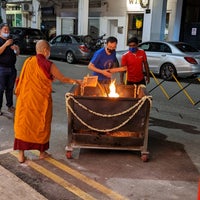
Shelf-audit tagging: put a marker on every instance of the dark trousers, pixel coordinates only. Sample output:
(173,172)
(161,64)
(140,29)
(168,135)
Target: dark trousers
(7,82)
(137,83)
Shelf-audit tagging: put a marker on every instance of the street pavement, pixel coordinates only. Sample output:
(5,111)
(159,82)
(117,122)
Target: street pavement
(171,121)
(171,173)
(13,188)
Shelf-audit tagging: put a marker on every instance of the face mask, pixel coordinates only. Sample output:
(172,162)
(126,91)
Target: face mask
(5,35)
(132,49)
(110,50)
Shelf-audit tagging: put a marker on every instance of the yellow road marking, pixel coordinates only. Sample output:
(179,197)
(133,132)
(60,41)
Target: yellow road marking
(94,184)
(72,188)
(76,174)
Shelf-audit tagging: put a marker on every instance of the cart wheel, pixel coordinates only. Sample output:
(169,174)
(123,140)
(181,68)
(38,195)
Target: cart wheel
(145,157)
(69,154)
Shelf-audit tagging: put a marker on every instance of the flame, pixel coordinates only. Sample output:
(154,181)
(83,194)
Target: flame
(112,88)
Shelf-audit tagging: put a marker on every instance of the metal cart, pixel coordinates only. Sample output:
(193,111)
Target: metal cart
(101,122)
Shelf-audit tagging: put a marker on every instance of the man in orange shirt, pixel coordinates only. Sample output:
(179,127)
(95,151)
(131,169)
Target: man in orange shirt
(33,113)
(137,66)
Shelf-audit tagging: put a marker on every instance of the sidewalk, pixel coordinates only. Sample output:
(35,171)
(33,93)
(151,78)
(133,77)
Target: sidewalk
(13,188)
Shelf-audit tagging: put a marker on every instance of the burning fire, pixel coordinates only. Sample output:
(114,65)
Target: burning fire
(112,88)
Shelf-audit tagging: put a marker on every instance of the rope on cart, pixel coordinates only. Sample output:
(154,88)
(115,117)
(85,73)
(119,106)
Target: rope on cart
(139,88)
(139,104)
(107,115)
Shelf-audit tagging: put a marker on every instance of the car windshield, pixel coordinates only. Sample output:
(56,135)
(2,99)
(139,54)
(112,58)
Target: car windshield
(186,48)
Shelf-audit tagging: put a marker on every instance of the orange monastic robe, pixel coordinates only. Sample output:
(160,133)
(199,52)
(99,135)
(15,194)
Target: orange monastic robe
(33,113)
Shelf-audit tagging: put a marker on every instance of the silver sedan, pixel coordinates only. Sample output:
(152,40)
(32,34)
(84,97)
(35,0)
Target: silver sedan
(70,48)
(167,58)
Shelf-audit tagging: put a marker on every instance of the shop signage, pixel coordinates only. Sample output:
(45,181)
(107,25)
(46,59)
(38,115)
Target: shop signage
(134,5)
(194,31)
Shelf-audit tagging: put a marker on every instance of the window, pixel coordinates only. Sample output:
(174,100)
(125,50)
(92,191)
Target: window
(93,27)
(67,39)
(57,40)
(155,47)
(135,26)
(165,48)
(186,48)
(77,38)
(145,46)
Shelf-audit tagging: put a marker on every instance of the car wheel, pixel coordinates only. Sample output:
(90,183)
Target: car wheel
(70,57)
(167,70)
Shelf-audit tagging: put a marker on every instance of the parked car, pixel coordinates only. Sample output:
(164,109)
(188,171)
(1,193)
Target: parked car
(70,48)
(26,38)
(165,58)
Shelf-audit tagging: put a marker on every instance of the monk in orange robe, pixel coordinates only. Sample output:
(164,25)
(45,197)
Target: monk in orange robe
(33,113)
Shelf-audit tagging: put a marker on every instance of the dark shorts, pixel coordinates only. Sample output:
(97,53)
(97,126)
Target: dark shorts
(142,82)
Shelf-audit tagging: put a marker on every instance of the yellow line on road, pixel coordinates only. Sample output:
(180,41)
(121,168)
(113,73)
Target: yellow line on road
(108,192)
(83,178)
(94,184)
(70,187)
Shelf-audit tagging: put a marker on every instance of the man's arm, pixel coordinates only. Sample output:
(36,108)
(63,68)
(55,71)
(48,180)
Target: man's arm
(122,78)
(6,44)
(58,75)
(105,72)
(146,66)
(124,66)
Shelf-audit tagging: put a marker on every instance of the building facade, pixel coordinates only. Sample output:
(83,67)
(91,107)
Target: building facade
(145,19)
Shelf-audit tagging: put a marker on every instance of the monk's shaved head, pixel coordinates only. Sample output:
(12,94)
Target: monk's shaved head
(41,45)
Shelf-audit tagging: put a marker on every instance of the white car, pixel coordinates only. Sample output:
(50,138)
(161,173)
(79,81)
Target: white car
(165,58)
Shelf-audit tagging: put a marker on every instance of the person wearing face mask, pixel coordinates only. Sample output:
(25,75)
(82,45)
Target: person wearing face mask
(137,66)
(104,61)
(8,72)
(33,112)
